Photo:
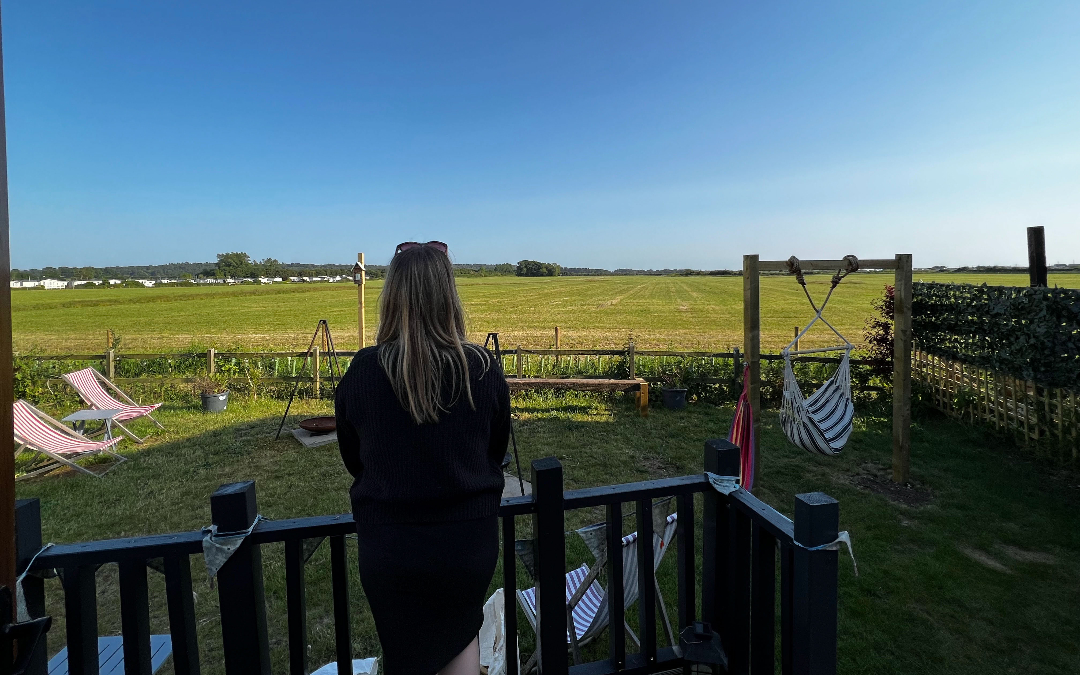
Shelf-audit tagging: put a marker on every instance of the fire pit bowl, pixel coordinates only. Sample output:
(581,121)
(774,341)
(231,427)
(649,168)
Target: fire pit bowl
(319,425)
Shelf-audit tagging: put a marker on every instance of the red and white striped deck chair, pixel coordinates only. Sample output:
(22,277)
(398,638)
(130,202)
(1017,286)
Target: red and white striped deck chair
(587,599)
(37,432)
(88,382)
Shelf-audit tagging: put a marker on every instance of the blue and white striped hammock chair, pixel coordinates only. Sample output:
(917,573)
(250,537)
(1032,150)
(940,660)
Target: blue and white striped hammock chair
(822,422)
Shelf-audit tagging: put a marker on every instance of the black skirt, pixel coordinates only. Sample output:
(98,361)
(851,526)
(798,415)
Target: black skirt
(426,584)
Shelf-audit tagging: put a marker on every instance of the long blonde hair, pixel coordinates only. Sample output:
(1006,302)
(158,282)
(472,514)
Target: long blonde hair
(421,334)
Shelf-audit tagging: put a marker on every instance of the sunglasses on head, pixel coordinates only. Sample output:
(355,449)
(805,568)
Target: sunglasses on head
(437,245)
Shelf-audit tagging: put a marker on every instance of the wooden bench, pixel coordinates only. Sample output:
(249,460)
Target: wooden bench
(639,386)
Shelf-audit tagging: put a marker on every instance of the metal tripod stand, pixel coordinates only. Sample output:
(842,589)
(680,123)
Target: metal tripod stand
(322,330)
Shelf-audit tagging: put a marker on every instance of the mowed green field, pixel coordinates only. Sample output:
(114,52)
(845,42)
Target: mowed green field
(592,312)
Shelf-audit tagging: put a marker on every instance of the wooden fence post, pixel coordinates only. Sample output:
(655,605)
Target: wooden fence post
(211,367)
(814,587)
(1036,241)
(632,366)
(548,528)
(241,594)
(27,544)
(556,343)
(110,363)
(520,358)
(315,370)
(901,462)
(752,339)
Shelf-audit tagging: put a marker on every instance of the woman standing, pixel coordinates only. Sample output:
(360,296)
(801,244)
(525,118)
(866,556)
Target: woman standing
(423,419)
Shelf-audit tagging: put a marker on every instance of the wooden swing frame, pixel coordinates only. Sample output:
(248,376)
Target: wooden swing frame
(901,266)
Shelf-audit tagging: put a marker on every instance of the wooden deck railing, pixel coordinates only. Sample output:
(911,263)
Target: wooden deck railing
(743,541)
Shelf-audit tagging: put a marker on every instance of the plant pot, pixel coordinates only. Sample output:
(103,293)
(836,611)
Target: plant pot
(215,403)
(674,399)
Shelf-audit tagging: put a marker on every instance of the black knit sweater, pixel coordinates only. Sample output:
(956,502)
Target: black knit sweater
(409,473)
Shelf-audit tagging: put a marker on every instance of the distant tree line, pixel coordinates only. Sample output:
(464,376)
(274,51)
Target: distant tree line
(532,268)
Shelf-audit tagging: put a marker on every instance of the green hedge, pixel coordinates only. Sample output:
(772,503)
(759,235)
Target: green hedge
(1030,333)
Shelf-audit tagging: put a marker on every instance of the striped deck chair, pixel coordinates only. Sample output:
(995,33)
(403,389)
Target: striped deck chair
(37,432)
(587,599)
(88,383)
(823,422)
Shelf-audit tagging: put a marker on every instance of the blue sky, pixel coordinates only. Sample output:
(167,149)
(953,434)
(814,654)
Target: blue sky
(604,134)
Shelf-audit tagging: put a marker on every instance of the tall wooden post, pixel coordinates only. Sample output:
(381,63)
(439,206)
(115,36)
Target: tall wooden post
(902,368)
(7,375)
(360,297)
(1036,240)
(752,338)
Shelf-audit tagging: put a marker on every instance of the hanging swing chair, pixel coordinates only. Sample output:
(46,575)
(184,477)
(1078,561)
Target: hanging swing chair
(821,423)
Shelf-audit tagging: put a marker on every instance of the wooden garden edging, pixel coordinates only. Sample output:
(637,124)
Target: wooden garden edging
(1036,415)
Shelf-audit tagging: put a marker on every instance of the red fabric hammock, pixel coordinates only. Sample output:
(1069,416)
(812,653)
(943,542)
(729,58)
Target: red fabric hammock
(742,434)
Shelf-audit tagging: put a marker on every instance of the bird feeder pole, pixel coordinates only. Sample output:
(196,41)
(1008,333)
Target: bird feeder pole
(360,279)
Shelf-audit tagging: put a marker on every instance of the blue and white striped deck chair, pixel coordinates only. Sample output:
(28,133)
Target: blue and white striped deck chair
(587,599)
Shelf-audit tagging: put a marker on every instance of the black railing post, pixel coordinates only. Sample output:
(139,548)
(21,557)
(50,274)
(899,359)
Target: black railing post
(721,458)
(240,585)
(814,585)
(547,480)
(27,544)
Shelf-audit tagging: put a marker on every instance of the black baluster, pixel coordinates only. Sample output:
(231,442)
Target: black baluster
(646,580)
(339,566)
(736,633)
(185,642)
(80,608)
(509,535)
(296,603)
(241,593)
(814,589)
(616,585)
(787,567)
(763,604)
(686,562)
(135,617)
(548,525)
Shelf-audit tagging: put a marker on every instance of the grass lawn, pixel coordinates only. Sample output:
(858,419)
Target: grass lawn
(980,575)
(687,313)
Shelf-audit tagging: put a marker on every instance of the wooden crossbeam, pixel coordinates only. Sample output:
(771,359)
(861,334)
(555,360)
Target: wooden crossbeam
(827,265)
